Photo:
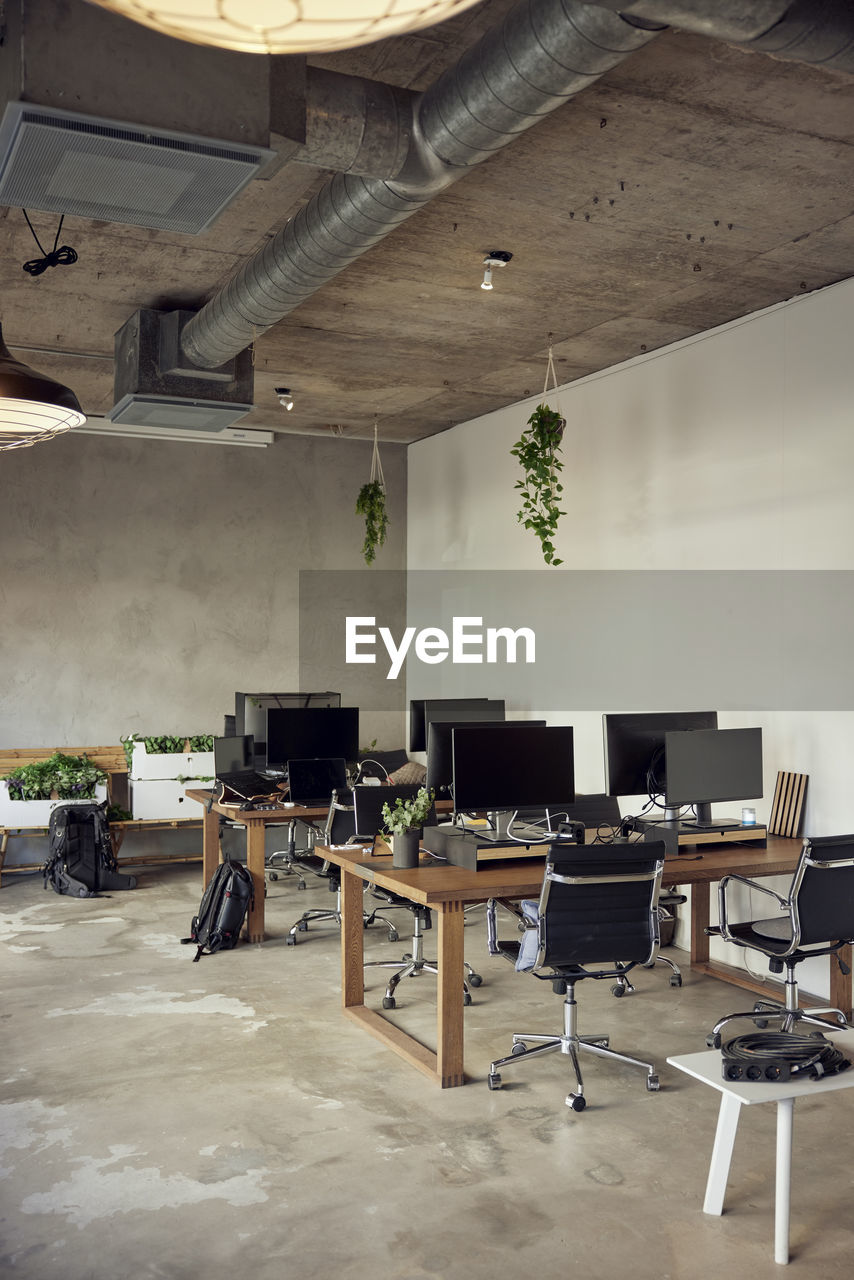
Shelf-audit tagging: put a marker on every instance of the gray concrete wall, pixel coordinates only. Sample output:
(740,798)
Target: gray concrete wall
(143,582)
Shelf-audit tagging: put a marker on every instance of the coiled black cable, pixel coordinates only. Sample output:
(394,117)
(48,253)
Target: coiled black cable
(63,256)
(809,1056)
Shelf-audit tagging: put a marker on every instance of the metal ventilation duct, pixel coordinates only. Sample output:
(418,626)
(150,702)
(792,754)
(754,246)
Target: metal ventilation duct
(64,162)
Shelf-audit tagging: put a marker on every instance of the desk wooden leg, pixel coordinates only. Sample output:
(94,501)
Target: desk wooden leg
(782,1195)
(722,1154)
(4,840)
(840,983)
(210,847)
(255,864)
(352,940)
(699,920)
(450,996)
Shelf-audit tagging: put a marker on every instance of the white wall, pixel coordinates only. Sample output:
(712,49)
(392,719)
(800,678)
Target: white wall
(733,450)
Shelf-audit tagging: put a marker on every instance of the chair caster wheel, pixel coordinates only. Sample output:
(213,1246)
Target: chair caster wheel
(676,979)
(494,1080)
(303,926)
(466,997)
(618,991)
(274,875)
(389,1002)
(761,1023)
(518,1050)
(290,940)
(713,1040)
(474,980)
(653,1084)
(393,936)
(301,885)
(577,1101)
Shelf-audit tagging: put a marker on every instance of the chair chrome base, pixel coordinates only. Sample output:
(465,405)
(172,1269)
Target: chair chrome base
(570,1043)
(623,987)
(415,965)
(318,913)
(764,1011)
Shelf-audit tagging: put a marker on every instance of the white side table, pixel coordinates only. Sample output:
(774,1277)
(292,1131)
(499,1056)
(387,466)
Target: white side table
(707,1067)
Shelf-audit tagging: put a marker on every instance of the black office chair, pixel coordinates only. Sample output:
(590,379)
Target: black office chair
(340,829)
(817,919)
(369,802)
(597,903)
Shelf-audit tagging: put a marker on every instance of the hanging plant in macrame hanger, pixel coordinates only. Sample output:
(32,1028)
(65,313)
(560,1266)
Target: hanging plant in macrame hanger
(371,504)
(540,486)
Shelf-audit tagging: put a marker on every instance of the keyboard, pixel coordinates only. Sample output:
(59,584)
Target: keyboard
(250,783)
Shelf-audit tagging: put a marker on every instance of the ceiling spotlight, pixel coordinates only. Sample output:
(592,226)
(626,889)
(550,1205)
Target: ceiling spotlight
(495,258)
(285,398)
(33,407)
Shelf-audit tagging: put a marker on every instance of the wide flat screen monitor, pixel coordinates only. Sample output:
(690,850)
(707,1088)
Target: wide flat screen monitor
(234,754)
(422,712)
(712,765)
(250,711)
(634,748)
(300,733)
(530,768)
(440,764)
(311,782)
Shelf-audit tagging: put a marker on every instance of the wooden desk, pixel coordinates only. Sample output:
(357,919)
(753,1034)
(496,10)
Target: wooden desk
(255,821)
(447,889)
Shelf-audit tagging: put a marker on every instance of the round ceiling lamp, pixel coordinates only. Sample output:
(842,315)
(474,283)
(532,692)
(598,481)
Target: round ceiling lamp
(286,26)
(32,406)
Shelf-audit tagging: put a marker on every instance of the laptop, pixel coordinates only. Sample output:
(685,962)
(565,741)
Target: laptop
(234,766)
(312,782)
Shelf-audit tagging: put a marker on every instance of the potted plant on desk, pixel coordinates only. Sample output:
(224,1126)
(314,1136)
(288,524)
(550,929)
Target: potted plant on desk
(404,823)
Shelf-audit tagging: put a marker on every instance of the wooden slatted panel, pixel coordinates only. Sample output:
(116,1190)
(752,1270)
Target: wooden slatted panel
(788,806)
(110,759)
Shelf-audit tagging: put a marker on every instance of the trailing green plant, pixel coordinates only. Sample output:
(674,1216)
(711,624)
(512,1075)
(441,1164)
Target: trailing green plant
(537,451)
(167,744)
(67,777)
(407,815)
(371,504)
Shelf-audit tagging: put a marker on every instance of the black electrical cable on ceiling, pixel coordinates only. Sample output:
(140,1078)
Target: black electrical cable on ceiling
(65,256)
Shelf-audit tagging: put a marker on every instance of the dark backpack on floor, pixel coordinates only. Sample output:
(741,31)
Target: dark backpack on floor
(81,861)
(225,901)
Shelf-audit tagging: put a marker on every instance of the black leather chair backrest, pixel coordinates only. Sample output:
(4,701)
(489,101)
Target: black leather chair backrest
(369,803)
(824,896)
(598,903)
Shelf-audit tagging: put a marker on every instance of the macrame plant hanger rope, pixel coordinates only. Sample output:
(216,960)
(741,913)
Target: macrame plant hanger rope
(550,369)
(377,476)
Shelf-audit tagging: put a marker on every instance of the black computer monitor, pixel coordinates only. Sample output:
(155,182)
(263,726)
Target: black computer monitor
(299,733)
(440,763)
(634,748)
(311,782)
(423,711)
(234,754)
(250,712)
(531,768)
(368,804)
(706,766)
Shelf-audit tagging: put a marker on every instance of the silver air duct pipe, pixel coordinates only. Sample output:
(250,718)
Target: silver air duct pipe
(817,32)
(543,53)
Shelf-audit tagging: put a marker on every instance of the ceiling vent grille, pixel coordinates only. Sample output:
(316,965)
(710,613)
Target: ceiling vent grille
(63,162)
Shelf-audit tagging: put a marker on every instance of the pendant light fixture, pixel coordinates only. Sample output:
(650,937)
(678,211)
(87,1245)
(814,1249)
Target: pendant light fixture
(33,407)
(286,26)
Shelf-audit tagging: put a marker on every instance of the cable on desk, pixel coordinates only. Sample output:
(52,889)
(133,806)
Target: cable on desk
(812,1057)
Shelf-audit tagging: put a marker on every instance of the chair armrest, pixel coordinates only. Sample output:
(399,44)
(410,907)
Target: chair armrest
(525,922)
(723,912)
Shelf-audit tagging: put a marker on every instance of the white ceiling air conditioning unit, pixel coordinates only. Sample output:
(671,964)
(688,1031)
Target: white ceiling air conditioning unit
(68,163)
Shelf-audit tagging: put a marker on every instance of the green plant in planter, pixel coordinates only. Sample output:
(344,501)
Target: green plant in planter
(167,744)
(68,777)
(407,815)
(371,504)
(537,451)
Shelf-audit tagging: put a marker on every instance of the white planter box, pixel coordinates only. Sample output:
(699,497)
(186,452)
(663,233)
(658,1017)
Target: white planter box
(145,767)
(161,798)
(35,813)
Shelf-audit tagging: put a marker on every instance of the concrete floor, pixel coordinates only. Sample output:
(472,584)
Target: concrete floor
(176,1121)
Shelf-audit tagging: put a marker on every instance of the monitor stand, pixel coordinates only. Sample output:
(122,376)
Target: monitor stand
(498,832)
(705,822)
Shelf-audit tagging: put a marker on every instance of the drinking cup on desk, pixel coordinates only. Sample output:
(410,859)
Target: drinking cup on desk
(748,817)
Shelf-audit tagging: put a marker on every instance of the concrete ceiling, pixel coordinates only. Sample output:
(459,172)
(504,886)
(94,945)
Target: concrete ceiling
(694,184)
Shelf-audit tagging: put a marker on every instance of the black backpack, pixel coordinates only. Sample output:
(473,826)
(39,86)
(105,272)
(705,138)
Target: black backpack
(80,860)
(225,901)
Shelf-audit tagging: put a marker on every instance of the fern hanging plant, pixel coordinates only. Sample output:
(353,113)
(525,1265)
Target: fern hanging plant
(371,504)
(540,486)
